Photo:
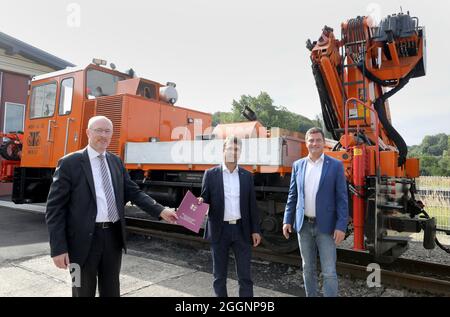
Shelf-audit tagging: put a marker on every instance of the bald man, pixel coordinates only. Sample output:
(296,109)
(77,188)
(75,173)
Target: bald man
(85,212)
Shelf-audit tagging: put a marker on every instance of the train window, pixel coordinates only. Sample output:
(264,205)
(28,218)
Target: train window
(100,83)
(43,99)
(147,93)
(14,116)
(147,90)
(65,96)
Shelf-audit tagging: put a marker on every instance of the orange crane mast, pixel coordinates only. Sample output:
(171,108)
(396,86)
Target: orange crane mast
(355,76)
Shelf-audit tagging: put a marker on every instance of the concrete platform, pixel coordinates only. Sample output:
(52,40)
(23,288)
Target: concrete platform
(139,278)
(26,268)
(6,202)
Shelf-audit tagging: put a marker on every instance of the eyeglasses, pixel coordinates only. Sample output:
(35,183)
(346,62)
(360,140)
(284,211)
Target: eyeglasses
(101,131)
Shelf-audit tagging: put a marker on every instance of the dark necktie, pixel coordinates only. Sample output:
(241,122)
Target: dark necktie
(113,214)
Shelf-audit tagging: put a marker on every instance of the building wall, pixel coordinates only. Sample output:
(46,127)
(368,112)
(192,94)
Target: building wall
(15,73)
(14,89)
(19,64)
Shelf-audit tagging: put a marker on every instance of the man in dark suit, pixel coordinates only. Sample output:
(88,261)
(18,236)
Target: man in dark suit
(233,218)
(317,209)
(85,212)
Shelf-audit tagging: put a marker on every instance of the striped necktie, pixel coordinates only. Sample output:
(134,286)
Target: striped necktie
(113,214)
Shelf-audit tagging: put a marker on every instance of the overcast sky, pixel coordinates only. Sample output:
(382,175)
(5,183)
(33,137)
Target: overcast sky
(216,51)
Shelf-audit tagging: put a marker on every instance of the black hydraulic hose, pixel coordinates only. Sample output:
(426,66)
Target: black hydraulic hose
(379,106)
(337,147)
(329,116)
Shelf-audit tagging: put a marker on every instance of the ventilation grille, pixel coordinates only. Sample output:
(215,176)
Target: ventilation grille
(111,107)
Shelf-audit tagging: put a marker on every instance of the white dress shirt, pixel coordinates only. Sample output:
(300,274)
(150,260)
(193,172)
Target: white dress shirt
(312,178)
(231,191)
(102,207)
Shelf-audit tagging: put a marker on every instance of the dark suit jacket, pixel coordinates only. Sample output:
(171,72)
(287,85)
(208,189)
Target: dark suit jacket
(213,194)
(72,205)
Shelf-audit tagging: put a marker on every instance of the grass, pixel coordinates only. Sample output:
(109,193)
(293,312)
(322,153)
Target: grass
(438,206)
(442,216)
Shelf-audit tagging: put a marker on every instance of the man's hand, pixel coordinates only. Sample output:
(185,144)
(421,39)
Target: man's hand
(338,236)
(169,215)
(61,261)
(200,201)
(256,237)
(287,229)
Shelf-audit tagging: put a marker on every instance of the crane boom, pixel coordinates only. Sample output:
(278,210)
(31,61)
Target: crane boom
(355,76)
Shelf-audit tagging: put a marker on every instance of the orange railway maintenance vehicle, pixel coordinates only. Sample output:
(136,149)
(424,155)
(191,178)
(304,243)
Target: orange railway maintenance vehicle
(355,76)
(167,148)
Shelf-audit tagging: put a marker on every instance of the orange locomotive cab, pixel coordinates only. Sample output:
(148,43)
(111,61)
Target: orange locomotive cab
(61,104)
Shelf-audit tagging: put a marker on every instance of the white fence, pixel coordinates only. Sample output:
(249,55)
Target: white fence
(434,192)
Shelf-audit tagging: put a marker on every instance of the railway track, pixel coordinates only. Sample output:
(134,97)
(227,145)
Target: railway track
(418,276)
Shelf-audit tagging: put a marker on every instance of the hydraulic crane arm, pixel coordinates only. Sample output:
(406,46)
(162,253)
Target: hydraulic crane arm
(362,65)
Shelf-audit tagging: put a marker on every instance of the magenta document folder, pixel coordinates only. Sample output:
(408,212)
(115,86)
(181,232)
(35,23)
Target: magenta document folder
(190,213)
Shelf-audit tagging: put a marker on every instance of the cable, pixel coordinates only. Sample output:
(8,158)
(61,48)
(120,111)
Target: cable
(337,147)
(329,116)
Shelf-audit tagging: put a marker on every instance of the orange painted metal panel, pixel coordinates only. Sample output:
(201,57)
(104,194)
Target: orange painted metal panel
(412,168)
(389,164)
(142,119)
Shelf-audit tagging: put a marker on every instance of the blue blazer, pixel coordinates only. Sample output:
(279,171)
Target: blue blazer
(331,198)
(213,194)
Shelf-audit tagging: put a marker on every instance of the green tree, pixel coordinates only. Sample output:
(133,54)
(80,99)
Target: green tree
(444,164)
(433,153)
(429,166)
(434,144)
(414,151)
(221,117)
(269,114)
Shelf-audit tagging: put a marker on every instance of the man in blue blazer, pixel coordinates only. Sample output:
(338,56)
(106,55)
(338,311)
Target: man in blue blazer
(317,209)
(233,218)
